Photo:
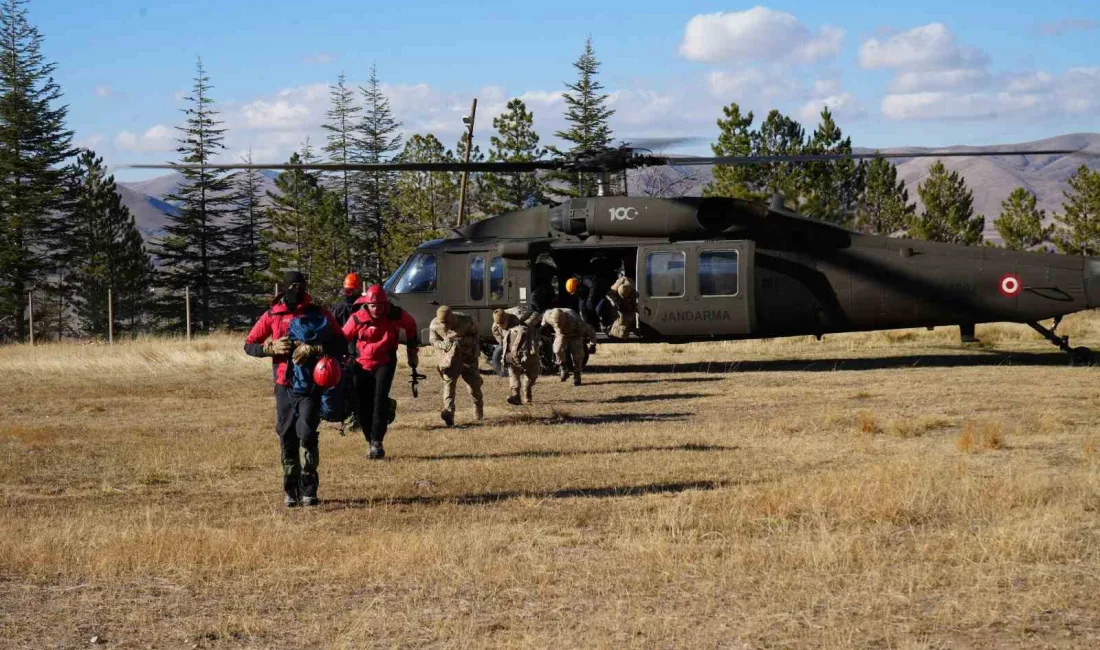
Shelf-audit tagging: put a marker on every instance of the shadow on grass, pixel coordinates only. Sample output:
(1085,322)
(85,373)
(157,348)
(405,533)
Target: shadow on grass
(987,358)
(558,453)
(662,397)
(561,417)
(670,380)
(497,497)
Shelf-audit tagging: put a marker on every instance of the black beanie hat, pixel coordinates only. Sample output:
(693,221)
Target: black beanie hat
(292,277)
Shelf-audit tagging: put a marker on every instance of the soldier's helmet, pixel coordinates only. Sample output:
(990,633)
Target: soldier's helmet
(498,316)
(443,313)
(626,289)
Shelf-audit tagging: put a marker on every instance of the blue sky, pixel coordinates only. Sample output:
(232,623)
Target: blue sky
(933,74)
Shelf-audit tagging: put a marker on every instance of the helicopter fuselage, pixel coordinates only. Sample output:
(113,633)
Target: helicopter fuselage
(717,268)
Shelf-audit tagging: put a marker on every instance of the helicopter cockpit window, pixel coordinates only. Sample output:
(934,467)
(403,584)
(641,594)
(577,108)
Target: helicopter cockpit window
(419,276)
(496,279)
(718,273)
(477,278)
(664,274)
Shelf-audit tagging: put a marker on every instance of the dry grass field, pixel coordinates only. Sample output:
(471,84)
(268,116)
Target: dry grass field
(884,490)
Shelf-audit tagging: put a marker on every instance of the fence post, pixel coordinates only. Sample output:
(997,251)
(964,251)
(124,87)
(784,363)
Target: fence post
(30,313)
(110,319)
(187,304)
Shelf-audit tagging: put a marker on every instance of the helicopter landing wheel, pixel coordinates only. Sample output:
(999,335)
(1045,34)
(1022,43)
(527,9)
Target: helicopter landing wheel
(1082,356)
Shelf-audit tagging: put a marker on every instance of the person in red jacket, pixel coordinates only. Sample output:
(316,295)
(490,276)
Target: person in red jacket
(377,329)
(296,416)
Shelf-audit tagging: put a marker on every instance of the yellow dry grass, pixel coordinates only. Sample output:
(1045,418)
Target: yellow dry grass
(891,490)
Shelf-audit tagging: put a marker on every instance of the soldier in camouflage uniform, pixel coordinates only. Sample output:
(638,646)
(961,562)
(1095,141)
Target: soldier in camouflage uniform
(454,334)
(625,300)
(517,331)
(571,333)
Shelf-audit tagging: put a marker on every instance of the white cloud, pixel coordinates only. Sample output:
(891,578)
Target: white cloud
(279,114)
(102,91)
(1033,95)
(757,34)
(91,141)
(929,47)
(754,83)
(1058,27)
(319,58)
(939,80)
(826,87)
(157,138)
(947,106)
(1030,83)
(842,105)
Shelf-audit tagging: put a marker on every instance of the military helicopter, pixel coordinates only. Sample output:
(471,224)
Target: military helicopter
(716,268)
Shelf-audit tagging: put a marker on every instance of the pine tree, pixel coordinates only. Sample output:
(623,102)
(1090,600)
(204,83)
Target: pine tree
(193,253)
(103,251)
(340,147)
(587,115)
(516,141)
(780,135)
(735,138)
(427,201)
(1020,224)
(290,239)
(884,207)
(948,209)
(33,144)
(379,138)
(1079,232)
(830,190)
(245,244)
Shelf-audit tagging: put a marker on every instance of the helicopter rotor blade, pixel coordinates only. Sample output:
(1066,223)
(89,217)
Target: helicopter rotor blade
(503,167)
(799,158)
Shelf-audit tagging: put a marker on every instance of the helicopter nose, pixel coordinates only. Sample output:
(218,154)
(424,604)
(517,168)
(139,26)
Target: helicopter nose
(1092,281)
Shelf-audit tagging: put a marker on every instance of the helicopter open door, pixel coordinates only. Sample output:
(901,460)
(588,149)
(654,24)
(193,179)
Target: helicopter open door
(695,289)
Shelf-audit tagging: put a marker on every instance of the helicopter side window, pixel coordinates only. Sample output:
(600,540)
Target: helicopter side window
(419,276)
(477,278)
(496,279)
(664,274)
(718,273)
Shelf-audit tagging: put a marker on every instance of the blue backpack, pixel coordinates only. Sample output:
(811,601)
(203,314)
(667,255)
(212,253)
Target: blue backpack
(337,402)
(313,328)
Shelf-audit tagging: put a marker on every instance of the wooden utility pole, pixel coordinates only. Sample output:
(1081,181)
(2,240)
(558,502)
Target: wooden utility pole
(469,121)
(187,305)
(30,312)
(110,318)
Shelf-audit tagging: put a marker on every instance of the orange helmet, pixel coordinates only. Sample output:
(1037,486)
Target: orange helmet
(571,285)
(351,281)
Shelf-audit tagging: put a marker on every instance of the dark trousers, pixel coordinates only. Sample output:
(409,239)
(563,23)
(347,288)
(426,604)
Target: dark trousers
(372,389)
(296,420)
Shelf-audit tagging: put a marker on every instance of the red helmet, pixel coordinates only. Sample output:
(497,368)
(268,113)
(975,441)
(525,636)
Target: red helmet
(326,372)
(351,281)
(376,295)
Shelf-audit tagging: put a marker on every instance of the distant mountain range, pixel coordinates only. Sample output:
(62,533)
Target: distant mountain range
(991,179)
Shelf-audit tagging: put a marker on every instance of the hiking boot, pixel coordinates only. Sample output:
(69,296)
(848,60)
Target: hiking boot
(577,380)
(479,412)
(291,501)
(376,451)
(514,400)
(448,418)
(310,501)
(564,375)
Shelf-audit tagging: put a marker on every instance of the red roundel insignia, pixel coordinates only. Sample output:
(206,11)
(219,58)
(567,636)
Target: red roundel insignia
(1010,285)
